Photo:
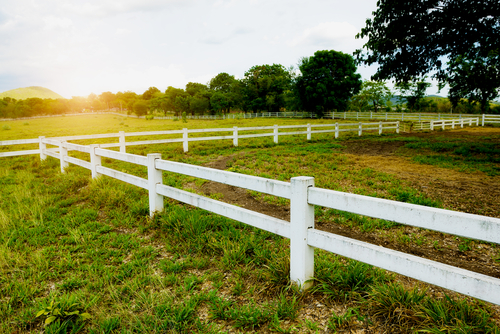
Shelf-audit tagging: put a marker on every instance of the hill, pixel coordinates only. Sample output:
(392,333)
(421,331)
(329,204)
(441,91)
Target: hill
(33,91)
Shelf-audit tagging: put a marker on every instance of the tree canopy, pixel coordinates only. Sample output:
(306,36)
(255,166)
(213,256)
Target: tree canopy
(328,81)
(409,39)
(264,87)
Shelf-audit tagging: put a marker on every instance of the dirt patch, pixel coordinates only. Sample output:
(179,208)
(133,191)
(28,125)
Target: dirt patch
(240,196)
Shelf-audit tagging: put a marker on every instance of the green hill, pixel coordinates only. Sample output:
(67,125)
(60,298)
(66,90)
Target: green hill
(33,91)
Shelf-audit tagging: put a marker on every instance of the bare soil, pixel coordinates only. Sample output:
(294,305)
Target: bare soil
(474,193)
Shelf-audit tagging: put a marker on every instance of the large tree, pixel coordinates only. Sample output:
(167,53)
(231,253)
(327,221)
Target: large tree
(328,81)
(264,87)
(409,39)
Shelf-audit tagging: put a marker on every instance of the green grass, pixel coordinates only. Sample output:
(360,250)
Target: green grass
(87,246)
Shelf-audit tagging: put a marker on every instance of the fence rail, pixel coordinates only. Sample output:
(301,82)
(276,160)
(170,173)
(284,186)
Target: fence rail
(368,115)
(235,133)
(304,238)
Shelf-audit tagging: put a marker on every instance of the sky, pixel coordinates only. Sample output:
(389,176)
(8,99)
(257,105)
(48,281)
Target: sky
(80,47)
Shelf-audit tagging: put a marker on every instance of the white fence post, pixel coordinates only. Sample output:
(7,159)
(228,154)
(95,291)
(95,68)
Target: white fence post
(95,160)
(453,124)
(185,139)
(63,152)
(122,142)
(380,128)
(337,130)
(275,133)
(154,177)
(461,123)
(397,127)
(360,131)
(308,131)
(386,116)
(235,136)
(470,121)
(477,121)
(301,219)
(344,114)
(42,146)
(483,121)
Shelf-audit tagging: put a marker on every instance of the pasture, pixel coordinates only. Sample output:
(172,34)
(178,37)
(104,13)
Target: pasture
(83,254)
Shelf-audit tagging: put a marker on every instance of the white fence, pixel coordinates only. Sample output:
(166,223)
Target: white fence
(304,238)
(300,230)
(369,115)
(235,133)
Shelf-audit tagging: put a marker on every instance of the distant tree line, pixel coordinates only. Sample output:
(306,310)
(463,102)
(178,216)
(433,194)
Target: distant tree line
(326,81)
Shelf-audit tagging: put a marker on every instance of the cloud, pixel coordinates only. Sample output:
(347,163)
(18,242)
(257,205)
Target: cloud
(111,7)
(326,34)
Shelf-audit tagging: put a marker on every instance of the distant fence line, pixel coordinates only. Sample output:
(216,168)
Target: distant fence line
(403,117)
(303,196)
(235,135)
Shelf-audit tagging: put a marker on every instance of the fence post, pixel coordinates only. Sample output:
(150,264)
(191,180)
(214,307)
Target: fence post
(386,116)
(42,147)
(63,152)
(444,122)
(483,121)
(301,219)
(439,116)
(235,136)
(477,121)
(337,130)
(360,131)
(432,125)
(462,123)
(185,139)
(470,121)
(154,177)
(344,114)
(402,116)
(380,128)
(371,115)
(275,133)
(308,131)
(357,115)
(452,123)
(95,160)
(333,114)
(419,117)
(397,127)
(122,142)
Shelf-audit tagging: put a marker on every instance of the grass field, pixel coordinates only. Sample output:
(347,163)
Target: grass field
(81,256)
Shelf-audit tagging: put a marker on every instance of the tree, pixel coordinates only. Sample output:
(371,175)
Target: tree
(150,93)
(140,107)
(172,93)
(222,82)
(328,81)
(193,88)
(229,87)
(107,98)
(374,92)
(475,80)
(412,93)
(264,87)
(409,39)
